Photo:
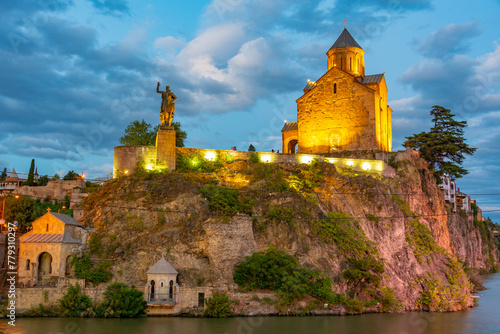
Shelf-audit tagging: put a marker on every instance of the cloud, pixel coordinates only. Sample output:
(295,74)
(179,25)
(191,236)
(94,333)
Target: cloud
(111,7)
(169,43)
(448,40)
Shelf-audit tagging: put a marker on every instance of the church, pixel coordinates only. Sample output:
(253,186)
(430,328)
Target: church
(344,109)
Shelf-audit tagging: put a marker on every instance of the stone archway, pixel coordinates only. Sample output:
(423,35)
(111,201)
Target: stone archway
(44,265)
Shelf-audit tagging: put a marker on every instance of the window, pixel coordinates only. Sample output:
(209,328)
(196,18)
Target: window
(47,227)
(201,299)
(28,264)
(334,88)
(341,64)
(161,284)
(350,63)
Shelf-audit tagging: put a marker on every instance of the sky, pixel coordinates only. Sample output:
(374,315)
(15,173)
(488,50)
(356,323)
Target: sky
(75,73)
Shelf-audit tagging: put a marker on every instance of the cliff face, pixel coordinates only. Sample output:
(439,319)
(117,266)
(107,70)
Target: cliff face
(142,217)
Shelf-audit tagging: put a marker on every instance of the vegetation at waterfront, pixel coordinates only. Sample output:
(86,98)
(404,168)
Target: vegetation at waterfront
(120,301)
(218,306)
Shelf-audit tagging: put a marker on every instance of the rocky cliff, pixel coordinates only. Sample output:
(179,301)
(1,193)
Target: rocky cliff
(205,223)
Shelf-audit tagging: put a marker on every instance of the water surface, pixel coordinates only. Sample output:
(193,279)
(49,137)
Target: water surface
(483,319)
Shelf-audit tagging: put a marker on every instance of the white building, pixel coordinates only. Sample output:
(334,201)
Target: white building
(449,189)
(162,287)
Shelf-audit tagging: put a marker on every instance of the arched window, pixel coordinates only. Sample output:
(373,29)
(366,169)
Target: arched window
(334,88)
(341,63)
(350,63)
(47,227)
(161,284)
(28,264)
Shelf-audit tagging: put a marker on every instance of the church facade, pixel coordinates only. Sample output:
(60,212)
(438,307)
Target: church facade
(344,109)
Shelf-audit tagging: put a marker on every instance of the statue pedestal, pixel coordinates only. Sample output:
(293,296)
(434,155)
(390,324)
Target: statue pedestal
(165,147)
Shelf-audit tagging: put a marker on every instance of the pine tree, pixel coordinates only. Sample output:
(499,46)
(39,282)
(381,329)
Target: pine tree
(251,148)
(4,174)
(29,181)
(444,146)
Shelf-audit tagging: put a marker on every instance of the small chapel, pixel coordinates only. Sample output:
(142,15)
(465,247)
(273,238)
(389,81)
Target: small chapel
(344,109)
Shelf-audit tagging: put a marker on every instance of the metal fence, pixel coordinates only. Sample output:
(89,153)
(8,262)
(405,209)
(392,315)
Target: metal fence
(162,298)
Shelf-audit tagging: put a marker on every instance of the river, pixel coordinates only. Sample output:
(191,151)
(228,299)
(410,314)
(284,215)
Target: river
(483,319)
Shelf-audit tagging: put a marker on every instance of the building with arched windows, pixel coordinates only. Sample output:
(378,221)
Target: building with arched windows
(162,284)
(344,109)
(46,251)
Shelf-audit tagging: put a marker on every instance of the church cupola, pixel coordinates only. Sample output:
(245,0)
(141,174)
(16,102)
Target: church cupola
(347,55)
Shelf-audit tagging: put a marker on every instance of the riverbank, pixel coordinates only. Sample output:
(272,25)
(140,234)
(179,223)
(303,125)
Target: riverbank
(482,319)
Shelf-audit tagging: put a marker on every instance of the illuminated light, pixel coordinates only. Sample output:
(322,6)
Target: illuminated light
(210,156)
(366,166)
(149,167)
(306,159)
(194,162)
(265,158)
(126,171)
(16,196)
(83,176)
(350,163)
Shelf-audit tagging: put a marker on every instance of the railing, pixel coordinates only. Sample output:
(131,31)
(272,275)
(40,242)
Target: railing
(162,298)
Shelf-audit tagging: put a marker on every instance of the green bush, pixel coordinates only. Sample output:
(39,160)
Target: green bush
(121,301)
(195,162)
(278,271)
(225,201)
(84,268)
(74,303)
(218,306)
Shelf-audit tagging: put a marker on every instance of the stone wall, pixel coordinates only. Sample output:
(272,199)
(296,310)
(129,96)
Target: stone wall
(32,297)
(370,165)
(344,120)
(127,157)
(55,190)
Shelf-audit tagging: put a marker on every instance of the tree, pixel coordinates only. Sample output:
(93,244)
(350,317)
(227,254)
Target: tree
(43,180)
(56,177)
(139,133)
(74,303)
(24,210)
(71,176)
(29,181)
(251,148)
(444,145)
(124,301)
(4,174)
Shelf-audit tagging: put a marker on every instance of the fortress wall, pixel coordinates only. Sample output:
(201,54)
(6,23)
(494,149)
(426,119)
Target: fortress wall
(127,157)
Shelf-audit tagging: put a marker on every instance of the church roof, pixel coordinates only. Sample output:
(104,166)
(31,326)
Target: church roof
(68,220)
(290,126)
(162,267)
(48,238)
(372,78)
(345,39)
(310,85)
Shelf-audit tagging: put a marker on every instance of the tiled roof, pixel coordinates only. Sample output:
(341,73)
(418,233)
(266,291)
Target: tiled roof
(290,126)
(162,267)
(345,39)
(48,238)
(66,219)
(310,85)
(372,78)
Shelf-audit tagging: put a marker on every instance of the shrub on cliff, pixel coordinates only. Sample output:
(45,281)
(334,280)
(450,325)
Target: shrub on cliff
(226,201)
(74,303)
(280,272)
(94,273)
(218,306)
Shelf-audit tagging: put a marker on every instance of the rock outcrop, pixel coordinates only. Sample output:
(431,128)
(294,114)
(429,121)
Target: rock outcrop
(141,217)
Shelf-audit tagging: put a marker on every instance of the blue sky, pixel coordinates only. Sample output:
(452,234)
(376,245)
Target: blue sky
(74,73)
